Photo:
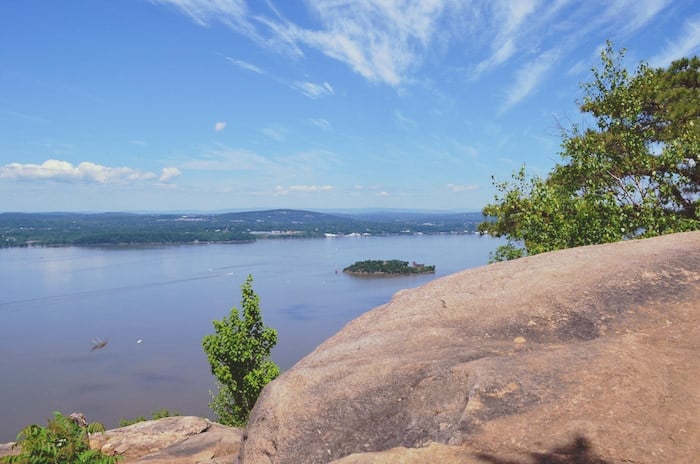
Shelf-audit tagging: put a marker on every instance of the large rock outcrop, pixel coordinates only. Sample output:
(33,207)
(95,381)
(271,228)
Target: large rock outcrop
(587,355)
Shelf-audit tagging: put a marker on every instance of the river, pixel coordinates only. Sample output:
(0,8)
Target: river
(153,305)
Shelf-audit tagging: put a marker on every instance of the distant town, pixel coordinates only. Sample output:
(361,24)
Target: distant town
(98,229)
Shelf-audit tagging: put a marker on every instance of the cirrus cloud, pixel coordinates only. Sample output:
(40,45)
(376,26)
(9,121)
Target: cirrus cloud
(281,190)
(311,90)
(461,188)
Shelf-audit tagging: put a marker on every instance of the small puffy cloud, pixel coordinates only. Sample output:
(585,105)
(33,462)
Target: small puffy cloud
(63,171)
(219,126)
(383,194)
(461,188)
(311,90)
(169,173)
(281,190)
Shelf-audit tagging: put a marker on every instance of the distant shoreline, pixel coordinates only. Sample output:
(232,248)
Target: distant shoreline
(19,230)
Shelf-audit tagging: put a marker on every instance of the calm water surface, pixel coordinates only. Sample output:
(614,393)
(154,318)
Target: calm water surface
(53,301)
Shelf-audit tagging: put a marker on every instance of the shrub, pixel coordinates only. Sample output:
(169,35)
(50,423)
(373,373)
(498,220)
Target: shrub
(238,355)
(63,441)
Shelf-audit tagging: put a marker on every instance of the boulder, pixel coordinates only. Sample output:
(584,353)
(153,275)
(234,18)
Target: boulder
(176,440)
(586,355)
(171,440)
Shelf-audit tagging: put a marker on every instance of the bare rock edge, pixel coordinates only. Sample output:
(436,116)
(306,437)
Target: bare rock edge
(587,355)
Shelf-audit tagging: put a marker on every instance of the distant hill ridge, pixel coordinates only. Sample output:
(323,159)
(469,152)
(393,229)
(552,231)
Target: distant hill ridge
(115,228)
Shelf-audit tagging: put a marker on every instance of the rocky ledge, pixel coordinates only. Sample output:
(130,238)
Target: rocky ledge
(172,440)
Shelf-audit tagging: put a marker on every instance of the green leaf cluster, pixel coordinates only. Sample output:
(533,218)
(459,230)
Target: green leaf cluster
(238,354)
(635,173)
(61,442)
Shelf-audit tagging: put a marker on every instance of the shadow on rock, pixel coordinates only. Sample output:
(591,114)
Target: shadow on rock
(579,451)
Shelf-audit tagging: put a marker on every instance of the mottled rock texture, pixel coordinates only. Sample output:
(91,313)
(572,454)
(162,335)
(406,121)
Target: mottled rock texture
(587,355)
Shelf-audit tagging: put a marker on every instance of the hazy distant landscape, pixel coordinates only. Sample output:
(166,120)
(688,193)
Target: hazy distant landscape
(79,229)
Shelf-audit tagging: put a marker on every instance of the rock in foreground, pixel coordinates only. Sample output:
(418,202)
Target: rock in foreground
(588,355)
(174,440)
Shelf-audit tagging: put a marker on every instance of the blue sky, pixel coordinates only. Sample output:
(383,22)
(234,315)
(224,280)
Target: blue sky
(162,105)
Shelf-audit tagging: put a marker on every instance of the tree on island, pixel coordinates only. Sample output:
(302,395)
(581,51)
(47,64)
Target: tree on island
(635,174)
(388,267)
(239,354)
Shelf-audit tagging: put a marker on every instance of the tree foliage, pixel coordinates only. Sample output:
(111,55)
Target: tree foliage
(389,267)
(634,174)
(63,441)
(238,354)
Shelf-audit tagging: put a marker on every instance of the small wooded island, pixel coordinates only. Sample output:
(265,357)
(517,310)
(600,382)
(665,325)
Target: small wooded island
(392,267)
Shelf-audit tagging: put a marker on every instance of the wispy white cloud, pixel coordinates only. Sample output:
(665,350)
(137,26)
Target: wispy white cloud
(202,11)
(517,29)
(461,188)
(63,171)
(246,66)
(507,18)
(380,40)
(282,190)
(274,169)
(20,115)
(382,194)
(577,68)
(219,126)
(502,53)
(641,12)
(403,120)
(387,42)
(227,159)
(233,13)
(686,44)
(275,133)
(321,123)
(528,77)
(623,17)
(312,90)
(236,15)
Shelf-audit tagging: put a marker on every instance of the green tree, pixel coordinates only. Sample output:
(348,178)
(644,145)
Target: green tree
(239,354)
(63,441)
(635,173)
